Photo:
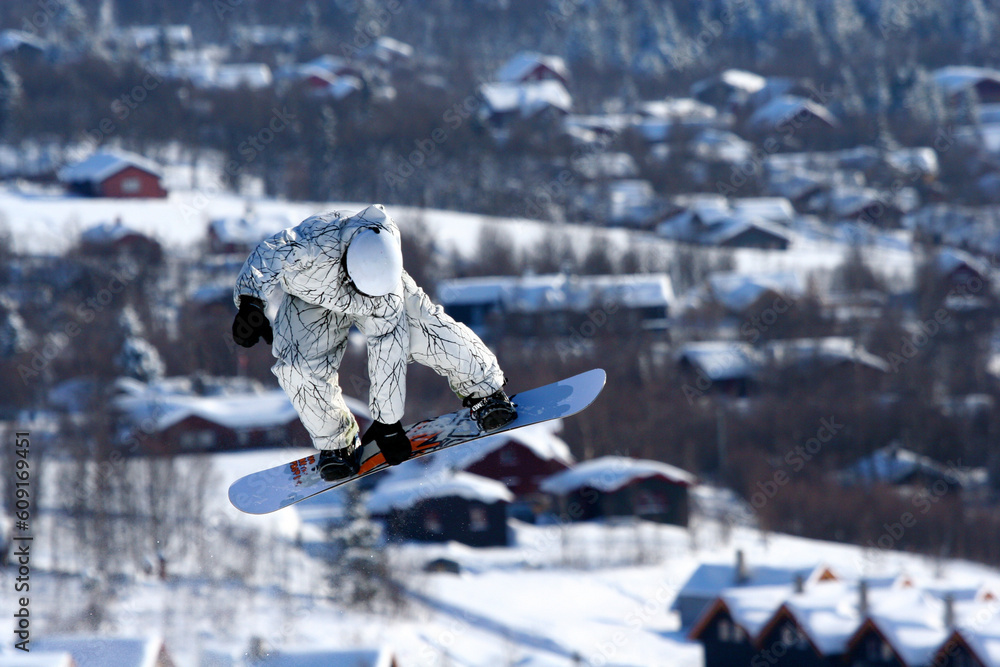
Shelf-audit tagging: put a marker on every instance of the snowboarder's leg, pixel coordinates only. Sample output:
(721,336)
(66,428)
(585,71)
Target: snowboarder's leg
(309,345)
(453,350)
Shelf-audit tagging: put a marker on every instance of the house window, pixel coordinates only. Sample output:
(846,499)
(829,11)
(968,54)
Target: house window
(131,185)
(432,523)
(886,652)
(725,631)
(197,439)
(961,659)
(877,650)
(508,457)
(478,521)
(792,637)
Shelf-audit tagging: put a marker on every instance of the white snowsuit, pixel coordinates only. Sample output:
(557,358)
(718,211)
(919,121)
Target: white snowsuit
(301,277)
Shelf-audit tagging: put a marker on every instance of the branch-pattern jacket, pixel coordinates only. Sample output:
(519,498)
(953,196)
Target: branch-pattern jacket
(307,261)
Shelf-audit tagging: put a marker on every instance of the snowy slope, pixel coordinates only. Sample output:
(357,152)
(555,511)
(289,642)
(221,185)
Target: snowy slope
(600,591)
(48,221)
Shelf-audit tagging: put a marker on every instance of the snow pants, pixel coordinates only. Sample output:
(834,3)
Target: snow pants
(310,342)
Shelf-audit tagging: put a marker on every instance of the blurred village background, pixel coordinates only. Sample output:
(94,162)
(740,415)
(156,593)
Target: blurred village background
(774,224)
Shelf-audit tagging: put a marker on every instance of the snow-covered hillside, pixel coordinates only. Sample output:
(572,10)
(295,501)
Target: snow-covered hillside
(50,222)
(588,593)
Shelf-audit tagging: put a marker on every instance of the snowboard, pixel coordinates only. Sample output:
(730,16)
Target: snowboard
(272,489)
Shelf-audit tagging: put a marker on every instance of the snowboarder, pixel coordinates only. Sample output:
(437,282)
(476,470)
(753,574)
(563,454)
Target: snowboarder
(321,277)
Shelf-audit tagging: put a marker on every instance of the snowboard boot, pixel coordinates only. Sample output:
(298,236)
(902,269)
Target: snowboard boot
(492,412)
(334,464)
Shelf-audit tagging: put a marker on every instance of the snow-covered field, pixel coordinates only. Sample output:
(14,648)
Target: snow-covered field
(599,593)
(47,221)
(562,595)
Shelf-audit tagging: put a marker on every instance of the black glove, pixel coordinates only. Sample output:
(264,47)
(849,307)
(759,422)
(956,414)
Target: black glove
(251,323)
(391,440)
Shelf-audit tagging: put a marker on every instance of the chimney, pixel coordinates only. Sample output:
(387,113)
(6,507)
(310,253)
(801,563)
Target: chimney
(862,598)
(949,611)
(742,571)
(800,583)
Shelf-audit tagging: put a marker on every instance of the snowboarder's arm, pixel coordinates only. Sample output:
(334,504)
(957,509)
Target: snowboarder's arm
(262,271)
(388,353)
(303,261)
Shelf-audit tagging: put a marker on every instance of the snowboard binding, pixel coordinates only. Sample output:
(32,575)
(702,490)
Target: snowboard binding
(334,464)
(492,412)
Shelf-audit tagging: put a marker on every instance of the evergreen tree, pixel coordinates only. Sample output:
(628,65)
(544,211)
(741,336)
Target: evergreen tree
(137,358)
(358,567)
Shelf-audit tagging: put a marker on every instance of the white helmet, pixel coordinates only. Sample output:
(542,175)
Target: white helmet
(374,261)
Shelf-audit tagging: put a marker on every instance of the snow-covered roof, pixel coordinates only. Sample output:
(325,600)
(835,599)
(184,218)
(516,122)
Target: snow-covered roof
(604,123)
(330,64)
(142,36)
(104,164)
(246,230)
(265,410)
(559,291)
(610,473)
(847,201)
(950,259)
(893,464)
(328,658)
(709,207)
(719,145)
(678,109)
(797,183)
(234,410)
(631,200)
(107,233)
(710,579)
(728,360)
(205,74)
(528,98)
(234,75)
(104,651)
(739,291)
(730,229)
(858,158)
(983,639)
(785,107)
(523,63)
(829,612)
(752,608)
(644,290)
(827,350)
(956,78)
(403,494)
(36,659)
(541,439)
(386,49)
(911,617)
(989,113)
(912,621)
(773,209)
(723,360)
(712,219)
(14,39)
(736,78)
(473,291)
(920,160)
(265,35)
(345,86)
(606,165)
